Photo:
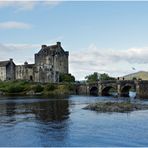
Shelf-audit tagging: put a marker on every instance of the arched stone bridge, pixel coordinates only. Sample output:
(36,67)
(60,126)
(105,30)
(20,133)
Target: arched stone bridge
(121,87)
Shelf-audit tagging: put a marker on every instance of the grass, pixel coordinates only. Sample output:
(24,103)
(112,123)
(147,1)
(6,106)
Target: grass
(24,87)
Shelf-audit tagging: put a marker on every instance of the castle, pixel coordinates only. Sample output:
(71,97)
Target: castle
(50,61)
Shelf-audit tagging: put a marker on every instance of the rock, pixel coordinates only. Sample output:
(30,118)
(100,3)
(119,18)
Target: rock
(31,92)
(116,107)
(2,93)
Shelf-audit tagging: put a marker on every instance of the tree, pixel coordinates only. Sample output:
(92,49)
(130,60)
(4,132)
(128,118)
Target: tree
(105,76)
(66,78)
(92,77)
(96,76)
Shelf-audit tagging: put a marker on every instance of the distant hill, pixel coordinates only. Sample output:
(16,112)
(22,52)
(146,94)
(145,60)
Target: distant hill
(139,75)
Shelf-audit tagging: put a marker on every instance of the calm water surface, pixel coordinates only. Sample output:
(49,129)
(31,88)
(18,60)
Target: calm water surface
(34,121)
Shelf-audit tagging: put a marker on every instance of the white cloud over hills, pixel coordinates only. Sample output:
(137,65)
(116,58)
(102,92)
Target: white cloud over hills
(114,62)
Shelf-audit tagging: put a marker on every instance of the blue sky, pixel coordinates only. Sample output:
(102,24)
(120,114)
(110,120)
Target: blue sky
(109,37)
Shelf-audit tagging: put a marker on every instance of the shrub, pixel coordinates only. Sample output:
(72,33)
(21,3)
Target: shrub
(66,78)
(38,88)
(50,87)
(14,88)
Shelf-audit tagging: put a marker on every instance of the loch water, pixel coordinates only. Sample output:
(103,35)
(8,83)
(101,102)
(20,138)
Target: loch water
(62,121)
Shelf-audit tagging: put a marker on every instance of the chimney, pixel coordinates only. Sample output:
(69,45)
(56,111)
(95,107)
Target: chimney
(43,46)
(10,60)
(25,63)
(59,44)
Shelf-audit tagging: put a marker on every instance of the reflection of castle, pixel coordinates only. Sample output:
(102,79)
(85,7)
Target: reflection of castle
(50,61)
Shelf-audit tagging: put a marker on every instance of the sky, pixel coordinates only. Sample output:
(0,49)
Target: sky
(101,36)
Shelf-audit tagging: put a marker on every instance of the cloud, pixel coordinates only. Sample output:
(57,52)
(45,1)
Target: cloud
(14,25)
(22,5)
(51,3)
(114,62)
(28,5)
(19,52)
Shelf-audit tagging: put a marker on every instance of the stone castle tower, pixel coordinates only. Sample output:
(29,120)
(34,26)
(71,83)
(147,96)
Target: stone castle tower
(50,61)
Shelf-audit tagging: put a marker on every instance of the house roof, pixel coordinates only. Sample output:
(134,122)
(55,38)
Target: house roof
(4,63)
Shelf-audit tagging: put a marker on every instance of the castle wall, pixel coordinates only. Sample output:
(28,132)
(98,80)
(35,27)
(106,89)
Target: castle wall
(2,73)
(24,73)
(50,61)
(10,71)
(44,68)
(61,63)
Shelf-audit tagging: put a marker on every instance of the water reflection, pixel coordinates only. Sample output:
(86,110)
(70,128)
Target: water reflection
(56,110)
(46,110)
(10,109)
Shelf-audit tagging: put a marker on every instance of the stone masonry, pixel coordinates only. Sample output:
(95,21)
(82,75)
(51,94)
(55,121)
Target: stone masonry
(50,61)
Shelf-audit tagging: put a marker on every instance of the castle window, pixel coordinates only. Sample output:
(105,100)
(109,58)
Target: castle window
(31,78)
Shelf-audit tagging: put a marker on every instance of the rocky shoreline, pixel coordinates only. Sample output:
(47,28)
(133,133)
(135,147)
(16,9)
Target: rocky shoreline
(116,107)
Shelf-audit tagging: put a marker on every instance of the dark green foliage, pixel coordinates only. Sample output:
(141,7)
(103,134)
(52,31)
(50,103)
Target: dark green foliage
(105,76)
(38,88)
(66,78)
(134,78)
(70,87)
(95,77)
(23,87)
(92,77)
(50,87)
(15,88)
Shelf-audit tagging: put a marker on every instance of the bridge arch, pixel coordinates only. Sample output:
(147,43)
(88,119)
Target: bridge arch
(125,90)
(108,91)
(93,91)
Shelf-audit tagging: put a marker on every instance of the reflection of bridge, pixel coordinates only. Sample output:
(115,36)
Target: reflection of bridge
(122,87)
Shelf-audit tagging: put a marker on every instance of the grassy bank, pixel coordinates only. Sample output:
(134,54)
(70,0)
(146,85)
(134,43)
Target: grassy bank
(30,88)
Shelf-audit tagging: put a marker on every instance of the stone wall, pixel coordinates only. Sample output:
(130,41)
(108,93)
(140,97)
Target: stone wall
(82,89)
(24,72)
(2,73)
(50,61)
(142,89)
(10,71)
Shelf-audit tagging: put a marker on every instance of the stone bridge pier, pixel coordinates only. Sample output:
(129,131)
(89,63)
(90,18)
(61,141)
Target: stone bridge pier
(120,87)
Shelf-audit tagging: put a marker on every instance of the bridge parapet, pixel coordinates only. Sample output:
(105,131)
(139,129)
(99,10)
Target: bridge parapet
(107,81)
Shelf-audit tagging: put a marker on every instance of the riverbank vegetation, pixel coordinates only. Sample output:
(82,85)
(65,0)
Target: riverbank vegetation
(22,87)
(116,107)
(30,88)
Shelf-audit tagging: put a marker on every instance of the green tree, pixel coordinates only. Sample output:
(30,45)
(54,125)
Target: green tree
(92,77)
(105,76)
(66,78)
(96,76)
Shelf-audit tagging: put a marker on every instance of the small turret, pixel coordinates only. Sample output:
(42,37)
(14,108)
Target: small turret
(43,46)
(11,60)
(25,63)
(59,44)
